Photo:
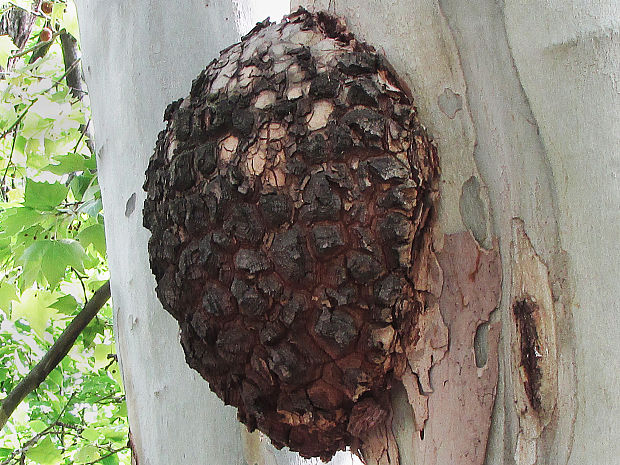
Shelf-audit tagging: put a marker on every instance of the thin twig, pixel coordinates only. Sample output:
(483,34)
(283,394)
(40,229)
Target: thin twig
(33,440)
(58,81)
(55,354)
(77,428)
(81,282)
(112,398)
(112,452)
(19,119)
(38,45)
(8,163)
(82,133)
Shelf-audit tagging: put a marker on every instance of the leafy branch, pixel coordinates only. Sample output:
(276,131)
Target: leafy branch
(55,355)
(51,233)
(31,442)
(37,437)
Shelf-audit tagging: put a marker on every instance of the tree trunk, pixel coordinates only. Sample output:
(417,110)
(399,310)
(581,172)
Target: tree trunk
(521,101)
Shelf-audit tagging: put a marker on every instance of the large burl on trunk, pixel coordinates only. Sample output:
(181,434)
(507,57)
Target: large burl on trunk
(287,198)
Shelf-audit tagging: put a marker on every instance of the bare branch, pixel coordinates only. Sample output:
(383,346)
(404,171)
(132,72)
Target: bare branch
(70,54)
(17,23)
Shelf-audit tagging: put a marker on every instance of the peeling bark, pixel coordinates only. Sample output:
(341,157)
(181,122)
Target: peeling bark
(380,447)
(451,392)
(458,406)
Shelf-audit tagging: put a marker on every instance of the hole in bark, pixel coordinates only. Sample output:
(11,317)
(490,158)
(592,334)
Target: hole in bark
(472,209)
(529,345)
(481,344)
(130,206)
(283,223)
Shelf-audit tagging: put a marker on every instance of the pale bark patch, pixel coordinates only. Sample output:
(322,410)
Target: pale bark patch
(228,145)
(265,99)
(319,117)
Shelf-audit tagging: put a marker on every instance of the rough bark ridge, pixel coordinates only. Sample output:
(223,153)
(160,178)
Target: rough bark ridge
(287,200)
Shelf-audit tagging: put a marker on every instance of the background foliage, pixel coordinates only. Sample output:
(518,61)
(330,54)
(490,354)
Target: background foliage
(52,257)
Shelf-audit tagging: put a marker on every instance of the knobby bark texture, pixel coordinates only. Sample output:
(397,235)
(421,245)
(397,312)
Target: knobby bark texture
(501,87)
(288,199)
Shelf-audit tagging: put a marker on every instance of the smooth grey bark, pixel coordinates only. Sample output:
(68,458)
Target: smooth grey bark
(138,57)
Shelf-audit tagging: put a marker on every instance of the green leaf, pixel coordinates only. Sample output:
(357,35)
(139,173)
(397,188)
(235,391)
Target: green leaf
(92,434)
(20,144)
(49,260)
(6,46)
(94,235)
(44,195)
(8,293)
(37,425)
(91,207)
(5,452)
(110,460)
(88,335)
(115,434)
(122,410)
(101,355)
(56,147)
(69,163)
(55,376)
(115,373)
(58,10)
(14,220)
(91,163)
(7,110)
(33,126)
(65,304)
(70,21)
(33,306)
(79,184)
(45,453)
(86,454)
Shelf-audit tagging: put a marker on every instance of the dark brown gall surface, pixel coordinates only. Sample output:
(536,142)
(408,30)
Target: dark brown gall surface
(286,199)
